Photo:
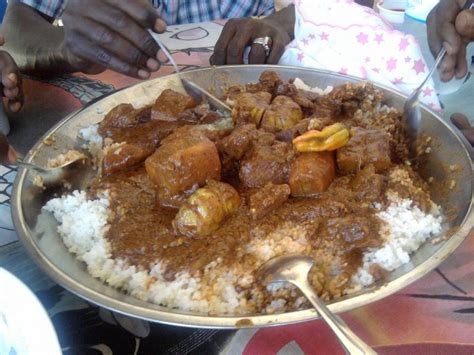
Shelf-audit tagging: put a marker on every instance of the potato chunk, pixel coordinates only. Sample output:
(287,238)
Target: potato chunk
(366,146)
(282,113)
(185,161)
(312,173)
(205,209)
(170,104)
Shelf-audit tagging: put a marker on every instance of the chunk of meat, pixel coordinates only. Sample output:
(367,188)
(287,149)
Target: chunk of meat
(148,134)
(250,107)
(236,144)
(199,114)
(312,173)
(123,157)
(354,97)
(303,98)
(267,199)
(354,231)
(266,163)
(368,185)
(205,209)
(288,134)
(123,115)
(185,160)
(366,146)
(170,104)
(269,80)
(282,113)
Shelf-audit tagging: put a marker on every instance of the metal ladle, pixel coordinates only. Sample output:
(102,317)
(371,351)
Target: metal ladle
(294,269)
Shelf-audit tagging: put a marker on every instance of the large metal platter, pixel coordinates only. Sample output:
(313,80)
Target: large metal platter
(38,231)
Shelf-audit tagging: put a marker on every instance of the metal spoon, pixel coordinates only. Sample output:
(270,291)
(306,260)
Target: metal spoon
(73,172)
(193,89)
(294,269)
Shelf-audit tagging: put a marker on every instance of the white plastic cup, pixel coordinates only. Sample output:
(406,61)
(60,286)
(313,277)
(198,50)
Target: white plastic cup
(392,10)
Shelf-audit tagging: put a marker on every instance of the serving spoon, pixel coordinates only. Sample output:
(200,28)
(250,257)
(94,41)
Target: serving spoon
(294,269)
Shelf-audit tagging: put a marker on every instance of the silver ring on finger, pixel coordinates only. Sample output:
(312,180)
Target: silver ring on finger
(266,42)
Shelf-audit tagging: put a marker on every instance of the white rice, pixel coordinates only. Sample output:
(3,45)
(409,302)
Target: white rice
(406,229)
(300,84)
(94,139)
(83,224)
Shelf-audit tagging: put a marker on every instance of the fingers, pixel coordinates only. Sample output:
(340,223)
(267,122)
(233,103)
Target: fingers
(92,52)
(452,43)
(117,31)
(465,24)
(116,21)
(238,34)
(236,47)
(452,28)
(11,82)
(257,54)
(278,48)
(220,50)
(117,48)
(462,123)
(461,62)
(434,41)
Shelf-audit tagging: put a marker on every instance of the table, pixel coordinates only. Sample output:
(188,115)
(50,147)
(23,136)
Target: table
(434,315)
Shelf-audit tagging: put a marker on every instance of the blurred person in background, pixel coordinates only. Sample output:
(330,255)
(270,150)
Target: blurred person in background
(453,29)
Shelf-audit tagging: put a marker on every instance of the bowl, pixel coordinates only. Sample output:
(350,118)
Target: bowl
(37,230)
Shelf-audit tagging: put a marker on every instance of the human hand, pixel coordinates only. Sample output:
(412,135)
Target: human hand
(240,33)
(11,86)
(453,29)
(461,122)
(111,35)
(8,155)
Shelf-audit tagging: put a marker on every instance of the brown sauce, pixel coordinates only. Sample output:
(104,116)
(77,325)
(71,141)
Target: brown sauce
(339,223)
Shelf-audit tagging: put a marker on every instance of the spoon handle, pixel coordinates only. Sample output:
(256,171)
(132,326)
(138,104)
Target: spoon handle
(26,165)
(349,340)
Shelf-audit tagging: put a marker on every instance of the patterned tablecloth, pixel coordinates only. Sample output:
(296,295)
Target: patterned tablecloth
(434,315)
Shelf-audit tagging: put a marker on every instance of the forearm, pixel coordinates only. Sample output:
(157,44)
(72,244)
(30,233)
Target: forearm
(285,18)
(33,42)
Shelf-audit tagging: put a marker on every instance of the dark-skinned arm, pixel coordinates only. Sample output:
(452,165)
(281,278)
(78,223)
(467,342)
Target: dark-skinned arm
(33,42)
(114,36)
(240,33)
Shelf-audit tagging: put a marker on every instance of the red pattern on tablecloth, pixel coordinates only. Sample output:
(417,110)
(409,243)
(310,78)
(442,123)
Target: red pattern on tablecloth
(435,315)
